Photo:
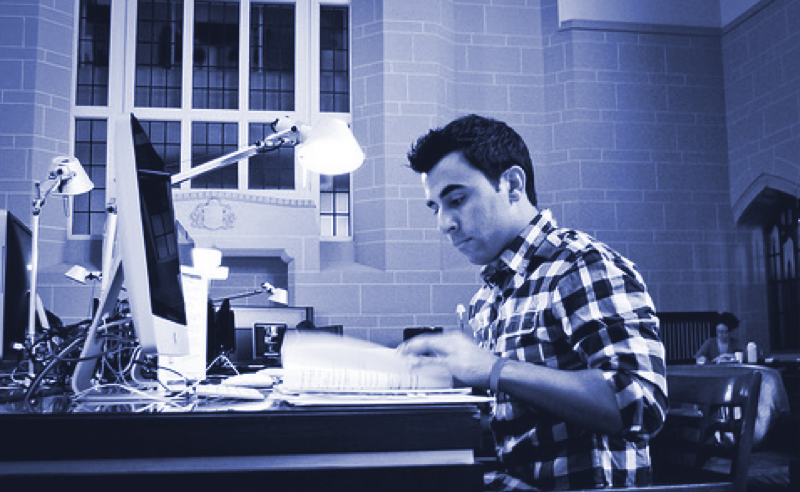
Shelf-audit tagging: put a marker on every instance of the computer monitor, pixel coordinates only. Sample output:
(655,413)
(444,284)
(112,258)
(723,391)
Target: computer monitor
(15,281)
(148,263)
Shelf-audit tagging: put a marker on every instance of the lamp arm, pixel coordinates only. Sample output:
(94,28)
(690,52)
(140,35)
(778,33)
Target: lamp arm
(273,140)
(266,288)
(38,202)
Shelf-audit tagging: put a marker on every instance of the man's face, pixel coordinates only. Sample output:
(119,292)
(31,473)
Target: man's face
(469,209)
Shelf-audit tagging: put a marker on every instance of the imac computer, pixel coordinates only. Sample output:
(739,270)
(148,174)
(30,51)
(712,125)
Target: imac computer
(15,282)
(148,264)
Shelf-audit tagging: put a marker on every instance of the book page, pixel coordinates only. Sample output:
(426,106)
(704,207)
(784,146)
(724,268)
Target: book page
(325,362)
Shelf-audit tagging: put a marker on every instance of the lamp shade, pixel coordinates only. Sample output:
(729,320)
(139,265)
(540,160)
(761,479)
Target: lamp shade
(329,148)
(74,180)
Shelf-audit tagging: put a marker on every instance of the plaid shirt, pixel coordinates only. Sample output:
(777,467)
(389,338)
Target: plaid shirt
(561,299)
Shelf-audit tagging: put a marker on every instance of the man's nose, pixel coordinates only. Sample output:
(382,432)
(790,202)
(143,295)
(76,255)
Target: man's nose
(447,222)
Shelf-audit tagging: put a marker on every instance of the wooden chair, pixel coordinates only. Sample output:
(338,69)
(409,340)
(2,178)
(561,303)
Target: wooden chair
(707,439)
(708,435)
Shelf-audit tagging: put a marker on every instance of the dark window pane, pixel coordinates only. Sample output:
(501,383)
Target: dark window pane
(334,59)
(209,141)
(273,169)
(90,149)
(272,51)
(93,43)
(166,139)
(216,55)
(159,49)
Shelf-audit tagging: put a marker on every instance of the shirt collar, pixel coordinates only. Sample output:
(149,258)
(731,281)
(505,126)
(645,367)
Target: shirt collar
(517,255)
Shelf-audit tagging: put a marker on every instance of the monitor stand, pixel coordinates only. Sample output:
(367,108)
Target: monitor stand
(93,346)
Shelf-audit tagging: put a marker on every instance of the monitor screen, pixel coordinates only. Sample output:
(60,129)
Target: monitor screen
(15,239)
(148,266)
(149,243)
(157,219)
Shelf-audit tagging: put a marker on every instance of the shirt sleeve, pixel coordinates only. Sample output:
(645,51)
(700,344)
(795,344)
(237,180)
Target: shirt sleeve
(705,349)
(610,322)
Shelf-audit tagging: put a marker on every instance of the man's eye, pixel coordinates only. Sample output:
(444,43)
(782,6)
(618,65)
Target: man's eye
(455,202)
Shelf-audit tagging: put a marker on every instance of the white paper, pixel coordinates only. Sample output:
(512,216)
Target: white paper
(321,361)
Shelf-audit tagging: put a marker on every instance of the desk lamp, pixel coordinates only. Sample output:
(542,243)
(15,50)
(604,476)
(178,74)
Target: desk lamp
(327,147)
(66,177)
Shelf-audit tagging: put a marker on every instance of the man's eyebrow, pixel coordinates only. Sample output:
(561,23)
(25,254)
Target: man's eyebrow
(446,191)
(449,189)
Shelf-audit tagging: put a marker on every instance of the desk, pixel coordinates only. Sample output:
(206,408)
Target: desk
(773,402)
(387,448)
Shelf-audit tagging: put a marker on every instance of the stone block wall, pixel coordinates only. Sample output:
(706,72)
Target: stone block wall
(631,127)
(626,123)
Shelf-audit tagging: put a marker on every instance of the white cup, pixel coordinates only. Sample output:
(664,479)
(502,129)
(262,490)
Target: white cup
(739,357)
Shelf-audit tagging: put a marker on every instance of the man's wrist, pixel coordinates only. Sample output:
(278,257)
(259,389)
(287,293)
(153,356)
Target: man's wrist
(494,375)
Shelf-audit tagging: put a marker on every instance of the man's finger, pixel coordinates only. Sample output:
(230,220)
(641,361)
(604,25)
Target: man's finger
(421,345)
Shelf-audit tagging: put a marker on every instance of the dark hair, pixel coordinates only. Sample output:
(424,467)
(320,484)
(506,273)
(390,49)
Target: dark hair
(728,319)
(488,145)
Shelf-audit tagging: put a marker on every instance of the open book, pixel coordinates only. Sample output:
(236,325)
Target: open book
(325,362)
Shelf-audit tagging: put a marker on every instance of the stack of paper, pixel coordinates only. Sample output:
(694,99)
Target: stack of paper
(324,362)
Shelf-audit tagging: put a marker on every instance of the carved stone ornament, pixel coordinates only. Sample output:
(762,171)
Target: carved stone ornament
(213,215)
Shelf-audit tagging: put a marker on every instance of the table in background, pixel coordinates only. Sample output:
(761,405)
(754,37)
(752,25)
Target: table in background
(773,402)
(388,448)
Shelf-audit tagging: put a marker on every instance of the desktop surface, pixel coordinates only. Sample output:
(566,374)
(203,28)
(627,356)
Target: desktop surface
(380,447)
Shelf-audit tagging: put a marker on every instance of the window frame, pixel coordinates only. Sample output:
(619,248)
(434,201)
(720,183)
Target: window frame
(121,91)
(781,248)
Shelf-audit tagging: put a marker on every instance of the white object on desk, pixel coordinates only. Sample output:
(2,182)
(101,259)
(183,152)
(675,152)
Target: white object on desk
(228,391)
(252,380)
(752,353)
(195,281)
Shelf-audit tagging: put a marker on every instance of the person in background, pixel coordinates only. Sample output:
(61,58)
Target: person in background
(565,334)
(723,347)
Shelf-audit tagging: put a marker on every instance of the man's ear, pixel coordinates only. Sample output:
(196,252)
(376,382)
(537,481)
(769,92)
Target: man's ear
(515,177)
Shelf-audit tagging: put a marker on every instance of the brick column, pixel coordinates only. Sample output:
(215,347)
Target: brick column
(403,66)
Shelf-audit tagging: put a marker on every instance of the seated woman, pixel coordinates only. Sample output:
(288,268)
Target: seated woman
(722,347)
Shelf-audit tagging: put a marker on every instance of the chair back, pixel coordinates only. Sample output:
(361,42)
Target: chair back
(684,332)
(708,434)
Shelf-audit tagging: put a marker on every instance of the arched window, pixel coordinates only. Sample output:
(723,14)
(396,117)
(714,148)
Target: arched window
(781,237)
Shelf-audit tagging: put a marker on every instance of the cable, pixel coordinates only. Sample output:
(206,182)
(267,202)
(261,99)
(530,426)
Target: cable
(39,377)
(151,400)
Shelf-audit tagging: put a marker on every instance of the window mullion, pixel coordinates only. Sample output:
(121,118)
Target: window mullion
(305,59)
(187,85)
(244,87)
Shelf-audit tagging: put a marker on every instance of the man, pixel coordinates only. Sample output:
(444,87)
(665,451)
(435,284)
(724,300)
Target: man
(566,331)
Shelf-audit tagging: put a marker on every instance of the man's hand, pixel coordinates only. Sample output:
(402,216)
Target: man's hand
(467,362)
(583,398)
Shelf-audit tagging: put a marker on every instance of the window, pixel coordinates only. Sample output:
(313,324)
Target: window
(334,207)
(159,44)
(89,209)
(94,25)
(334,63)
(783,281)
(271,170)
(166,139)
(204,87)
(272,54)
(211,140)
(215,81)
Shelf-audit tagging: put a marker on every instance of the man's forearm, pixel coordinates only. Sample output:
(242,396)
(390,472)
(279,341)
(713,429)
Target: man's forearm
(583,398)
